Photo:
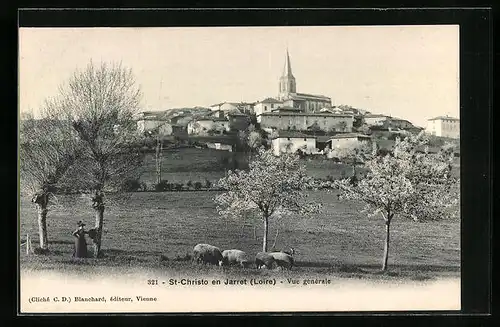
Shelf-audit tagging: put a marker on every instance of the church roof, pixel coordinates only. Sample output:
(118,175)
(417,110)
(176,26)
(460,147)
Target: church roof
(287,70)
(305,96)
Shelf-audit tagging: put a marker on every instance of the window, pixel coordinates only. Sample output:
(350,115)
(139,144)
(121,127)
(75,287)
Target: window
(288,139)
(305,139)
(265,108)
(272,105)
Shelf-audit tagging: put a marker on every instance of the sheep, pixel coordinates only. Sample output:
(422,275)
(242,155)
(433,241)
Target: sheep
(264,259)
(231,257)
(206,253)
(290,251)
(282,259)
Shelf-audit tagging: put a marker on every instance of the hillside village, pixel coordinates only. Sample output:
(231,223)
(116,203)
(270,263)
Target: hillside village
(290,121)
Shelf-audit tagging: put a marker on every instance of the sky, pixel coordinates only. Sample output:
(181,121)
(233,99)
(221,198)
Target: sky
(410,72)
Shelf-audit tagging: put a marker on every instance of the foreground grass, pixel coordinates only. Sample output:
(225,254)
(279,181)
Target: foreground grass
(146,227)
(121,263)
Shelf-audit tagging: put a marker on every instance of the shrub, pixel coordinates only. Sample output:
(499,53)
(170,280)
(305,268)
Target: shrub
(161,186)
(197,185)
(40,251)
(208,184)
(144,187)
(383,152)
(189,184)
(178,186)
(131,185)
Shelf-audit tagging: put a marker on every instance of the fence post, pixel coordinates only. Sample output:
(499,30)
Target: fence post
(27,244)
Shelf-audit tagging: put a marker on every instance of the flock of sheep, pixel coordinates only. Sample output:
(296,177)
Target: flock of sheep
(209,254)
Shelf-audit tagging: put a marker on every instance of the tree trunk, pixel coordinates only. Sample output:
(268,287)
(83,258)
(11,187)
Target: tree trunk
(159,148)
(386,245)
(41,200)
(42,226)
(266,231)
(98,205)
(276,237)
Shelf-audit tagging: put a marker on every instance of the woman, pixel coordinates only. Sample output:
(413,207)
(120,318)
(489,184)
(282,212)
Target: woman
(80,242)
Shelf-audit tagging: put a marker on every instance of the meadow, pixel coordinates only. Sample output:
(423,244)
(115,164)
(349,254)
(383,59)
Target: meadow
(156,230)
(194,164)
(152,229)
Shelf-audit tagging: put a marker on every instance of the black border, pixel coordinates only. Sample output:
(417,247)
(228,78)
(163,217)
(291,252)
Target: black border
(476,55)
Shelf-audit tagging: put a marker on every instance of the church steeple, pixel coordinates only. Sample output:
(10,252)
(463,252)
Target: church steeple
(287,80)
(287,70)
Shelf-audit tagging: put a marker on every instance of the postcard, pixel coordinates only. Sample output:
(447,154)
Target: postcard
(239,169)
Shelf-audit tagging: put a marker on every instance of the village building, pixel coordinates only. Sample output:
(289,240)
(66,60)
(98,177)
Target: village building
(220,146)
(347,140)
(290,142)
(302,121)
(266,105)
(375,119)
(150,121)
(243,107)
(224,106)
(444,126)
(397,123)
(238,121)
(208,125)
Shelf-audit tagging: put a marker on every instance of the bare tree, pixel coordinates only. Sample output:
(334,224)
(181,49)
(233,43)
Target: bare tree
(158,157)
(47,150)
(101,102)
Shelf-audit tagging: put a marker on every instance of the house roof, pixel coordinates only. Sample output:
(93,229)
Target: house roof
(293,134)
(376,116)
(151,115)
(350,135)
(286,108)
(331,110)
(303,114)
(271,100)
(209,118)
(237,114)
(444,117)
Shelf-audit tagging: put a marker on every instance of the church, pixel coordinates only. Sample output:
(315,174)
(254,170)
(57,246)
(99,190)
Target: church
(288,98)
(299,111)
(303,101)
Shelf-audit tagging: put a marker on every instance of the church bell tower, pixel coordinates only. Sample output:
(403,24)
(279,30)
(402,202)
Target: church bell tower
(287,81)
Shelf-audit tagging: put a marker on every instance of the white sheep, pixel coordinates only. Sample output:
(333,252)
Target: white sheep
(206,253)
(234,257)
(282,259)
(264,259)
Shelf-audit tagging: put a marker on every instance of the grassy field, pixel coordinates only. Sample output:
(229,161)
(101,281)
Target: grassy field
(150,230)
(182,165)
